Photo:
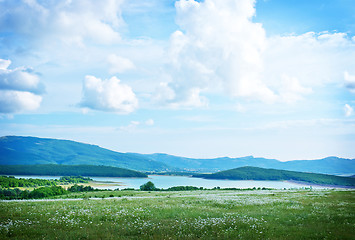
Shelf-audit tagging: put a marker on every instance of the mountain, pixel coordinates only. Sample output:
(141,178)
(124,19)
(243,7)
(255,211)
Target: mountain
(16,150)
(329,165)
(209,165)
(255,173)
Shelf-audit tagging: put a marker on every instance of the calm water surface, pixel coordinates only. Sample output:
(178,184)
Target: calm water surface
(171,181)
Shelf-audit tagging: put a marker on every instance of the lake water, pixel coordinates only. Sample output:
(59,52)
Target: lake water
(171,181)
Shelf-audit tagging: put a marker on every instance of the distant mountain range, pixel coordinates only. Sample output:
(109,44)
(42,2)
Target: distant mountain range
(17,150)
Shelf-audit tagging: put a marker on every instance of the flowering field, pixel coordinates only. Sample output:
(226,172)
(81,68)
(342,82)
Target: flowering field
(271,214)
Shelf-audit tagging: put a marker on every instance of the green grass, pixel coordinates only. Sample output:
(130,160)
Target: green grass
(276,214)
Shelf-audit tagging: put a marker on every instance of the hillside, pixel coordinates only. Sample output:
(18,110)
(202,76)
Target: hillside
(30,150)
(69,170)
(16,150)
(255,173)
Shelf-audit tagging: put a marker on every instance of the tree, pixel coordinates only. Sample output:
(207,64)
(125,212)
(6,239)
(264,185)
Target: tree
(149,186)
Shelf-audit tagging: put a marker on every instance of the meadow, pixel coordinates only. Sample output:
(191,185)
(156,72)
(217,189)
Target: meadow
(200,214)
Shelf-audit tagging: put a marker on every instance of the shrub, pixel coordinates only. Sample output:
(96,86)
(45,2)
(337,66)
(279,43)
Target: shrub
(149,186)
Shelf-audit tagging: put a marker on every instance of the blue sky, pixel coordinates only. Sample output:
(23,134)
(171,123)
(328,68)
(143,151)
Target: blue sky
(268,78)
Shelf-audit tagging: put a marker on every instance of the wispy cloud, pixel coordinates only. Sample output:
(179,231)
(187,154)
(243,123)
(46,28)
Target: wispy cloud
(348,110)
(119,64)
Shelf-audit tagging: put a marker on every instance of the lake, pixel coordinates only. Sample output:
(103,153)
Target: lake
(171,181)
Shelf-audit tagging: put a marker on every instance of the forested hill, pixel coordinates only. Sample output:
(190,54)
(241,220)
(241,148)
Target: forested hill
(16,150)
(255,173)
(69,170)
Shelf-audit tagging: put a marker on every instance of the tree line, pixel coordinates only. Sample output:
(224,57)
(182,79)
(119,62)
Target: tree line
(149,186)
(12,182)
(42,192)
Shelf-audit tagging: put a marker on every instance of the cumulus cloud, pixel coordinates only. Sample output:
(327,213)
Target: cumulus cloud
(20,89)
(119,64)
(21,79)
(219,49)
(108,95)
(17,101)
(175,96)
(349,82)
(348,110)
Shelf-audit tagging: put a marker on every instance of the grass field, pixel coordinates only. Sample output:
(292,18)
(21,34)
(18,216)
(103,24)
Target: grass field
(272,214)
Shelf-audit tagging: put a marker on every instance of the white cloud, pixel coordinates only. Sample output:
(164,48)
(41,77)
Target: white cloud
(119,64)
(348,110)
(349,82)
(163,93)
(133,125)
(291,89)
(314,59)
(108,95)
(4,64)
(219,49)
(20,89)
(69,21)
(21,79)
(16,101)
(149,122)
(179,96)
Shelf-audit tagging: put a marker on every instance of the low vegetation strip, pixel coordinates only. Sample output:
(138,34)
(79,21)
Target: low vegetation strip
(255,173)
(69,170)
(12,182)
(277,214)
(47,187)
(53,191)
(42,192)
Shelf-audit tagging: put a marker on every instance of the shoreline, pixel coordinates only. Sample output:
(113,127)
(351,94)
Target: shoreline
(320,185)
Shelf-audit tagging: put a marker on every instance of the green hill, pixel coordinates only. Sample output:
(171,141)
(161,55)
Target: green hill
(15,150)
(256,173)
(69,170)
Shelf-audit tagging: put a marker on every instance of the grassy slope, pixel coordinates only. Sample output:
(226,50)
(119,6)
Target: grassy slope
(193,215)
(255,173)
(69,170)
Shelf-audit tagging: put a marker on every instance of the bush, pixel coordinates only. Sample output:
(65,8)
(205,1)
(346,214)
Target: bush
(80,188)
(149,186)
(46,192)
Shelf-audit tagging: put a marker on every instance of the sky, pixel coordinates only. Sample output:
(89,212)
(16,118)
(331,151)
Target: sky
(204,79)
